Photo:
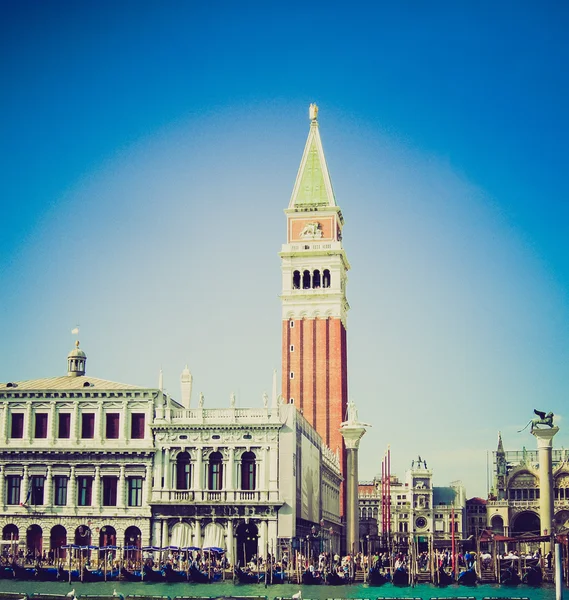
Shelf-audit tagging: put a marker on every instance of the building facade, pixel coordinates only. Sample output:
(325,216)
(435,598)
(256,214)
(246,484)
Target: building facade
(89,462)
(76,462)
(513,508)
(418,511)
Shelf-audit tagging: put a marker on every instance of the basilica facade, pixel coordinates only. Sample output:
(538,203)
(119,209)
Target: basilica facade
(514,507)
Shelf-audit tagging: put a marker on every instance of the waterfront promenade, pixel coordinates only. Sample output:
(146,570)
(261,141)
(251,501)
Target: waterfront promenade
(179,591)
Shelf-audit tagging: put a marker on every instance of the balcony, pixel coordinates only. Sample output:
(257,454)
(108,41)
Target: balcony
(209,496)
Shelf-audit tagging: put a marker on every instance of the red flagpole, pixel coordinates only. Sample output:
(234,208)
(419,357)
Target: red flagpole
(388,490)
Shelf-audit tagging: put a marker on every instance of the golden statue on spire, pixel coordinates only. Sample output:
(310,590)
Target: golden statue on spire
(313,112)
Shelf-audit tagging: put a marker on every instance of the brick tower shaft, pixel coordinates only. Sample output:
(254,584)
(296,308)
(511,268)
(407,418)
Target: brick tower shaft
(314,306)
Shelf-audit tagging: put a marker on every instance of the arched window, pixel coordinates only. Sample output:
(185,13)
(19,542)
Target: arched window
(296,280)
(306,280)
(326,279)
(10,532)
(215,472)
(316,279)
(248,470)
(183,471)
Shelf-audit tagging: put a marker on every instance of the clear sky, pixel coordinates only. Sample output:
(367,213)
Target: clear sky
(148,150)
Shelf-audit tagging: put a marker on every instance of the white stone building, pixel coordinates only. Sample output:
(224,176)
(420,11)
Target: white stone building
(76,461)
(86,461)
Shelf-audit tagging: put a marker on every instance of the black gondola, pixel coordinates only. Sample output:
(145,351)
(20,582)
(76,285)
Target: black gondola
(96,575)
(173,576)
(199,576)
(24,573)
(510,577)
(47,574)
(248,576)
(468,577)
(533,576)
(63,575)
(151,575)
(6,573)
(400,577)
(128,575)
(376,577)
(334,578)
(444,578)
(311,578)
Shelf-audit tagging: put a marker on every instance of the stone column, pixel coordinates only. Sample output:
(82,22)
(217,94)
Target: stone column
(75,431)
(352,431)
(2,487)
(165,537)
(100,425)
(230,542)
(48,491)
(25,486)
(156,533)
(72,491)
(198,478)
(229,483)
(262,540)
(168,469)
(544,439)
(125,423)
(148,485)
(4,428)
(97,488)
(122,488)
(52,431)
(29,426)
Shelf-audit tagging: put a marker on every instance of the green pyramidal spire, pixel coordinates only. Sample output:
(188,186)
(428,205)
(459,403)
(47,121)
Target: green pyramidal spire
(313,187)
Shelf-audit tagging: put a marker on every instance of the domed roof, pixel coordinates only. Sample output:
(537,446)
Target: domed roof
(77,352)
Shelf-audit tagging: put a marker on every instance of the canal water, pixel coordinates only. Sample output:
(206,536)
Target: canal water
(317,592)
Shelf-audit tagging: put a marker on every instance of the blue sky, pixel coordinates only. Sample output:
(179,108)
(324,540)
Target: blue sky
(149,148)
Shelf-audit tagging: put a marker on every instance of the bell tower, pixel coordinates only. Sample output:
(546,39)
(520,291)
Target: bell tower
(314,306)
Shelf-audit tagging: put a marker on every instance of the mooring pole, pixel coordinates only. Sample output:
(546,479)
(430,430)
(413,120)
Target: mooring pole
(558,572)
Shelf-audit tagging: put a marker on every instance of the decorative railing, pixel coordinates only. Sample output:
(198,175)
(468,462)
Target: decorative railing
(208,496)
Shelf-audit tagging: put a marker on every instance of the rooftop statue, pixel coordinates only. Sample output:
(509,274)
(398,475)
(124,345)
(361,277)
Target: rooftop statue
(541,419)
(313,112)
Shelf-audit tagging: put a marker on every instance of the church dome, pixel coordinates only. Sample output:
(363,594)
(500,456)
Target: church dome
(77,353)
(76,360)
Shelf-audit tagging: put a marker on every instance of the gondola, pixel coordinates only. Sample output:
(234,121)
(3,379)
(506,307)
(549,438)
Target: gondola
(128,575)
(152,575)
(376,577)
(63,575)
(96,575)
(533,576)
(510,577)
(278,576)
(401,577)
(334,578)
(47,574)
(173,576)
(467,577)
(248,576)
(24,573)
(199,576)
(444,578)
(311,578)
(6,573)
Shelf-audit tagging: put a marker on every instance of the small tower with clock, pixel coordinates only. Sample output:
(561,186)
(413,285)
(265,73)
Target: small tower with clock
(314,305)
(419,479)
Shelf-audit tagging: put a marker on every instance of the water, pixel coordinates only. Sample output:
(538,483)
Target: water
(317,592)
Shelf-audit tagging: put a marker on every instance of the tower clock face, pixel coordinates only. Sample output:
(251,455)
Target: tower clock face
(420,522)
